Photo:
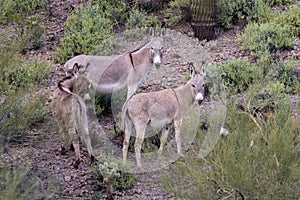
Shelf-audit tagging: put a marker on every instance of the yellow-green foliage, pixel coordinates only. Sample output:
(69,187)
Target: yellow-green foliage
(19,79)
(266,38)
(283,72)
(84,30)
(238,75)
(90,28)
(139,19)
(15,10)
(279,2)
(291,17)
(178,10)
(236,168)
(113,175)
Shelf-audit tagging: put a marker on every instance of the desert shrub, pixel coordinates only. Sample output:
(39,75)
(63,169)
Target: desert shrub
(283,72)
(15,10)
(290,17)
(112,174)
(139,19)
(228,11)
(266,38)
(214,83)
(84,30)
(279,2)
(264,96)
(235,169)
(258,11)
(233,11)
(238,74)
(90,28)
(178,11)
(20,15)
(20,106)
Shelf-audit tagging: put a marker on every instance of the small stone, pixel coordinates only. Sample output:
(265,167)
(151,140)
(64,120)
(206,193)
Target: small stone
(67,178)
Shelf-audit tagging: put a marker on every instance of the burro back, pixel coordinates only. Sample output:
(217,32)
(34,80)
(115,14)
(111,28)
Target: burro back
(109,74)
(159,110)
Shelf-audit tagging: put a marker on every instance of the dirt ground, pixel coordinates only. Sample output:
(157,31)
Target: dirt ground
(41,149)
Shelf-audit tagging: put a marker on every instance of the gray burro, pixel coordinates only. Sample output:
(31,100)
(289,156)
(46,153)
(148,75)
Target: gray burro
(159,110)
(109,74)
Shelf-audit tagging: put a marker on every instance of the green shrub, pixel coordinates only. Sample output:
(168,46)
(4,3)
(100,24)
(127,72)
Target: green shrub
(279,2)
(235,169)
(139,19)
(228,11)
(291,17)
(178,10)
(284,73)
(259,12)
(264,96)
(266,38)
(237,10)
(90,29)
(113,175)
(238,74)
(21,16)
(84,30)
(20,106)
(18,10)
(214,82)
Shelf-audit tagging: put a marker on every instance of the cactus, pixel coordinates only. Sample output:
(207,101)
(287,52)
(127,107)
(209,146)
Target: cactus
(203,18)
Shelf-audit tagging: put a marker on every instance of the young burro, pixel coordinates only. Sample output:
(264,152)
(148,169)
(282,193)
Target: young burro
(159,110)
(110,74)
(69,110)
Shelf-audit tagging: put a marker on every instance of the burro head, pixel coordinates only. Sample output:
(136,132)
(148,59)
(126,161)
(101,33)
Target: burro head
(156,47)
(197,83)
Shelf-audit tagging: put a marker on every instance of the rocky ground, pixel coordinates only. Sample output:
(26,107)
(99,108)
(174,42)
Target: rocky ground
(56,170)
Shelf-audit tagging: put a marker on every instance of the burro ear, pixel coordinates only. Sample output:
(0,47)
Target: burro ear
(192,69)
(75,68)
(87,68)
(203,69)
(163,28)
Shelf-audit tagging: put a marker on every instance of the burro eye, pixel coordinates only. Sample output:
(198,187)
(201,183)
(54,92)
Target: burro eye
(193,85)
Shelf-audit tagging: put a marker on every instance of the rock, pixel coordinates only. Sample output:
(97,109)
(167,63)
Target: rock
(68,178)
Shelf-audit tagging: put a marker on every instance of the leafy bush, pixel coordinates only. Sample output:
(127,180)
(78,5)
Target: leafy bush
(238,74)
(291,17)
(237,168)
(20,107)
(266,38)
(20,15)
(279,2)
(84,30)
(236,10)
(228,11)
(264,96)
(179,10)
(284,73)
(112,175)
(15,10)
(139,19)
(89,29)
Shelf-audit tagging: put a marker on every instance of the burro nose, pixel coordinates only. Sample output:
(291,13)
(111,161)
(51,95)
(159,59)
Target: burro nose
(157,61)
(157,65)
(199,97)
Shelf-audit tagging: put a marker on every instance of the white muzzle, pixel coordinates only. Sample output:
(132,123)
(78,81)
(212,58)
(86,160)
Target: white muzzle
(157,61)
(199,97)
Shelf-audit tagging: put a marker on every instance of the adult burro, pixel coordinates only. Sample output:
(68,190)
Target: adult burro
(69,110)
(159,110)
(109,74)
